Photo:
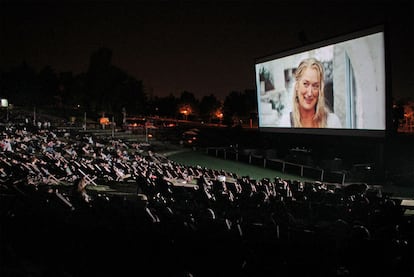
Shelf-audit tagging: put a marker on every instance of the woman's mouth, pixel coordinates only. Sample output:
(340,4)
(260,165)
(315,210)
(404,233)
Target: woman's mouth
(308,100)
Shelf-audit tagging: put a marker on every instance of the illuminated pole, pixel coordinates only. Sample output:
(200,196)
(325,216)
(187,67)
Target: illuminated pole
(113,127)
(103,124)
(123,117)
(84,120)
(34,116)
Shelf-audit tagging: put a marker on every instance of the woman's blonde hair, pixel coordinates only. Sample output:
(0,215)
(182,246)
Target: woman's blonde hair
(321,110)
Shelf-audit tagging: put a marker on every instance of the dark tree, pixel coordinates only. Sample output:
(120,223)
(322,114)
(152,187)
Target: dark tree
(163,106)
(208,106)
(187,99)
(239,106)
(49,88)
(20,85)
(109,89)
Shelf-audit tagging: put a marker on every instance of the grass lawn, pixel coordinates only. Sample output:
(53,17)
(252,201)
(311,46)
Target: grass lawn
(201,158)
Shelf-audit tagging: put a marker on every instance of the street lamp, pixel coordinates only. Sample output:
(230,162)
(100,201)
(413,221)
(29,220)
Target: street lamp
(219,115)
(185,110)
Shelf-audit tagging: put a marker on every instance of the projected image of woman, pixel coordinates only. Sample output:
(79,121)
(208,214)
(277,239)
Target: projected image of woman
(309,108)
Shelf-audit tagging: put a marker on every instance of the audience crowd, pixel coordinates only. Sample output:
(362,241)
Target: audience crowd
(61,217)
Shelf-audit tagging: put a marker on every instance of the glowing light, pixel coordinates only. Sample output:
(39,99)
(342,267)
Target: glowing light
(104,121)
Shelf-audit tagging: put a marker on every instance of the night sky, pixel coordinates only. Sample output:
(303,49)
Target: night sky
(204,48)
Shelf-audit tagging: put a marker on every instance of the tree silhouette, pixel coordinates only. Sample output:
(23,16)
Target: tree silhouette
(163,106)
(49,84)
(188,99)
(208,106)
(109,89)
(239,105)
(105,88)
(21,85)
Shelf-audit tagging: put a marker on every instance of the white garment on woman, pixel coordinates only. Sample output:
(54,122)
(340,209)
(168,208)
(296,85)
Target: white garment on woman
(332,121)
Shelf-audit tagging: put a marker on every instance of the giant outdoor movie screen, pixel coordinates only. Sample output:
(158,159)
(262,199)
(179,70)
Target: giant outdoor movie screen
(333,87)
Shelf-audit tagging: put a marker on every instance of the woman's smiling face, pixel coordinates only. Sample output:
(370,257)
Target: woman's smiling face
(308,89)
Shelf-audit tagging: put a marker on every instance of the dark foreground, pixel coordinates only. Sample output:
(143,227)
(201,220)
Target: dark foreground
(150,216)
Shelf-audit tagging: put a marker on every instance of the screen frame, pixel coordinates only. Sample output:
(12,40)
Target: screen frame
(326,42)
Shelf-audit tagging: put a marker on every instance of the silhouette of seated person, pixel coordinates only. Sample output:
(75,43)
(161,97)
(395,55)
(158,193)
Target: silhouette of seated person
(143,212)
(353,189)
(203,193)
(359,251)
(215,240)
(80,196)
(224,197)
